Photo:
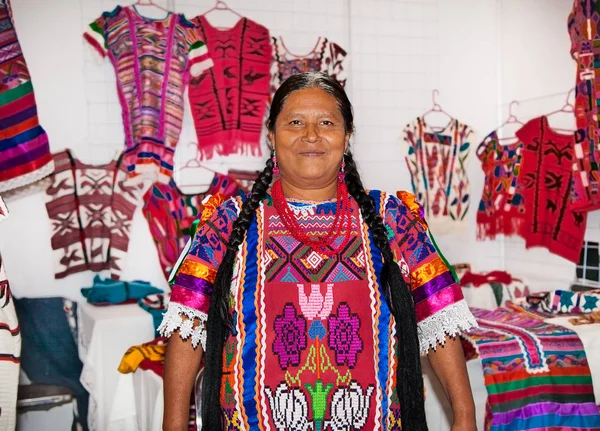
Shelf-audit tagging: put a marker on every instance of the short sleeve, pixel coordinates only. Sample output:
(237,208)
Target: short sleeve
(198,58)
(95,33)
(194,276)
(440,307)
(338,68)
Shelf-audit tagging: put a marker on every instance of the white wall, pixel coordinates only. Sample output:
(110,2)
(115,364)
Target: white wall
(480,54)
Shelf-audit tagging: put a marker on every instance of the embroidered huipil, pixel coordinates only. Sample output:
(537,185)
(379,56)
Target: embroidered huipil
(90,209)
(313,345)
(24,149)
(502,208)
(170,214)
(585,49)
(545,180)
(152,60)
(228,102)
(437,164)
(326,57)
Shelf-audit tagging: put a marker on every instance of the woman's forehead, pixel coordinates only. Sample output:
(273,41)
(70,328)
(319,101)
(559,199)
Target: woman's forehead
(310,99)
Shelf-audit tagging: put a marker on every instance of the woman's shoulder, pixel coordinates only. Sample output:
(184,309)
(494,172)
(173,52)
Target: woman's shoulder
(399,204)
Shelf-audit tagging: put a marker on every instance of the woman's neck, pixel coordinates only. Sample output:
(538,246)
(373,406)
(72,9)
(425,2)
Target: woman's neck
(317,194)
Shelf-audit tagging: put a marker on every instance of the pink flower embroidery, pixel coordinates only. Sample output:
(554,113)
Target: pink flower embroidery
(290,336)
(315,305)
(343,336)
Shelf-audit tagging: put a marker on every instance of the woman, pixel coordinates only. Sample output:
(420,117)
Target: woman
(312,299)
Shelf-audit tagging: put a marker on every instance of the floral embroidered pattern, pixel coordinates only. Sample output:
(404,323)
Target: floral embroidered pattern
(289,408)
(290,338)
(350,407)
(315,305)
(343,336)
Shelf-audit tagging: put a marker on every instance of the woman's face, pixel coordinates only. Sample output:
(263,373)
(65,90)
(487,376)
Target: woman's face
(309,139)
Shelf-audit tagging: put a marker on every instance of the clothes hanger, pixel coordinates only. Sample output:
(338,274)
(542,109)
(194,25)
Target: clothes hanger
(512,119)
(150,3)
(436,107)
(567,108)
(222,6)
(194,163)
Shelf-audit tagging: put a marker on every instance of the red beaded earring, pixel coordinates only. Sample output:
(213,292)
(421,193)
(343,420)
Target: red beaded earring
(275,167)
(342,174)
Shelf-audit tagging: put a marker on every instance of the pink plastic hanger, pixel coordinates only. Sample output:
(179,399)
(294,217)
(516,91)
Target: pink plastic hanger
(150,3)
(194,163)
(221,5)
(567,108)
(512,119)
(436,107)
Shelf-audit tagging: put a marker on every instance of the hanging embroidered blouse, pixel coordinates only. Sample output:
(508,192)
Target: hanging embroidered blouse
(326,57)
(585,48)
(24,149)
(170,214)
(313,343)
(90,209)
(228,102)
(152,59)
(502,207)
(437,164)
(545,181)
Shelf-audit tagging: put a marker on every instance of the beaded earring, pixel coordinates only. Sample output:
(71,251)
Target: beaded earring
(342,174)
(275,167)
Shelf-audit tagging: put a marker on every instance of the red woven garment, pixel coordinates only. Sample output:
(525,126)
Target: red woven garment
(545,180)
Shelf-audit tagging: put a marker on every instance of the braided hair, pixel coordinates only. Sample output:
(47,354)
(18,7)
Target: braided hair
(409,383)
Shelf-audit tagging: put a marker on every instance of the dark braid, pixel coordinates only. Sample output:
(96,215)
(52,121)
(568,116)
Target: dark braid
(220,321)
(409,380)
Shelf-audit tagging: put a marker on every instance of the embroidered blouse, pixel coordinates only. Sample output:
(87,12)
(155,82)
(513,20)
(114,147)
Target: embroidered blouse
(24,149)
(152,59)
(170,214)
(502,207)
(585,48)
(90,209)
(545,178)
(320,326)
(437,164)
(326,57)
(229,101)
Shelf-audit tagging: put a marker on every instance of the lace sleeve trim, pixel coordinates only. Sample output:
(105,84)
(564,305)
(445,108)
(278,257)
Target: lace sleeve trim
(173,320)
(449,321)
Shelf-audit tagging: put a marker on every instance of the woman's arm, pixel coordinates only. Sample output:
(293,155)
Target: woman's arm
(182,363)
(448,362)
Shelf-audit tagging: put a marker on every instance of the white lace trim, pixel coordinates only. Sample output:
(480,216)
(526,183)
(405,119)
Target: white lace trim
(173,320)
(28,178)
(451,320)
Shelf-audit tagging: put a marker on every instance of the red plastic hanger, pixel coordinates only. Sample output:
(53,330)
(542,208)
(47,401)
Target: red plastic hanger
(567,108)
(150,3)
(512,119)
(436,107)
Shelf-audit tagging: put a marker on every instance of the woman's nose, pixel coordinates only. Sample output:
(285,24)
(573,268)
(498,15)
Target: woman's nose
(311,133)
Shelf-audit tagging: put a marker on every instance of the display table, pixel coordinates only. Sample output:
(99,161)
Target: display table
(105,334)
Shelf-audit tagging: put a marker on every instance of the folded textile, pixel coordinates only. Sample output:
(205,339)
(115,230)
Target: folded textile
(153,351)
(116,292)
(586,319)
(156,305)
(491,277)
(565,302)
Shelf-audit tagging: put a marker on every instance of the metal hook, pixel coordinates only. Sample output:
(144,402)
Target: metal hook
(434,93)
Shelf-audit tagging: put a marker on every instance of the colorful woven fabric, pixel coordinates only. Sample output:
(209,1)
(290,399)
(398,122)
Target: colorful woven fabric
(545,182)
(436,161)
(153,351)
(326,56)
(566,302)
(24,149)
(502,208)
(313,343)
(152,59)
(228,102)
(585,49)
(170,214)
(90,209)
(536,374)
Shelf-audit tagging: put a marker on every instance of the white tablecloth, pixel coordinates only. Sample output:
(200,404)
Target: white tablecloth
(105,334)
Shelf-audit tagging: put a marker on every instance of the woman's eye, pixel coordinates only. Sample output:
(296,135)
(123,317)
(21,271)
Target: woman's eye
(295,122)
(327,123)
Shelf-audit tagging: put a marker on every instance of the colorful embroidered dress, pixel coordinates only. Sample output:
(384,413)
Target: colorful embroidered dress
(152,59)
(10,347)
(536,374)
(545,181)
(326,57)
(585,49)
(90,209)
(502,208)
(24,149)
(171,213)
(228,102)
(313,344)
(437,163)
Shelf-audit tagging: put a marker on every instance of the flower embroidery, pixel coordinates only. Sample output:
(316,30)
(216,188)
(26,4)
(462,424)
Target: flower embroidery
(315,305)
(343,336)
(350,407)
(290,336)
(289,408)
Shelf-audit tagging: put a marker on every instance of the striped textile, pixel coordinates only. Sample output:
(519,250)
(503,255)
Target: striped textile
(24,149)
(536,374)
(153,59)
